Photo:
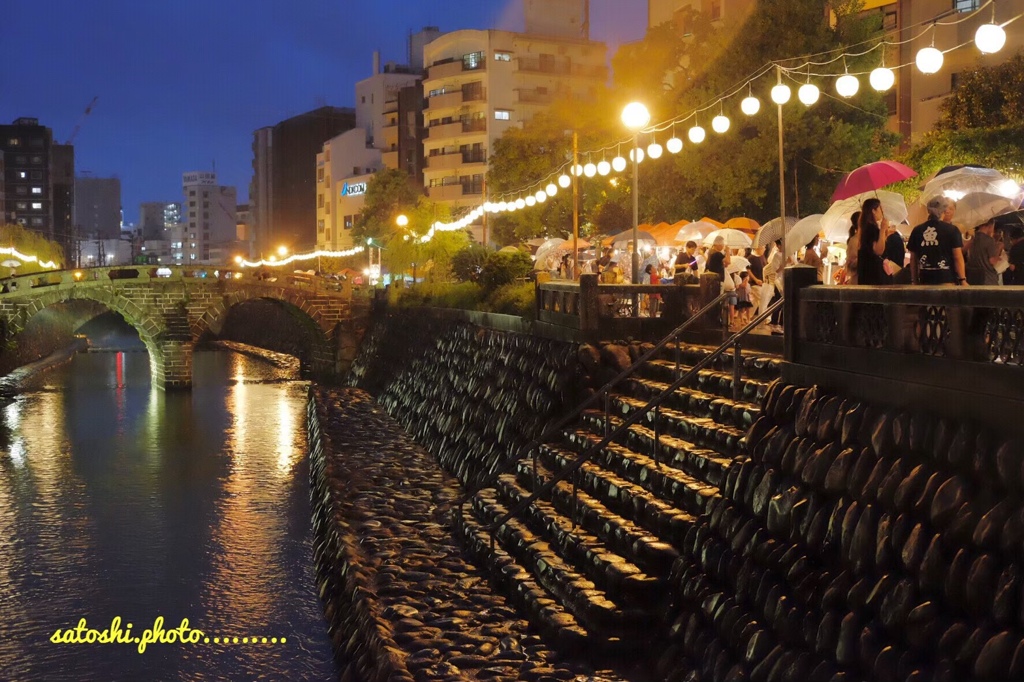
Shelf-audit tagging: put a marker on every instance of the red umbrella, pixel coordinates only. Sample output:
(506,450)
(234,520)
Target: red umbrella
(871,176)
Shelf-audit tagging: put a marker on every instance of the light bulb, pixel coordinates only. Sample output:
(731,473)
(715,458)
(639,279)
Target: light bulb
(674,145)
(577,170)
(847,85)
(618,164)
(750,105)
(488,206)
(697,134)
(531,200)
(511,206)
(781,94)
(720,123)
(564,181)
(502,206)
(551,190)
(590,170)
(990,38)
(542,196)
(929,60)
(604,168)
(520,203)
(635,116)
(808,93)
(639,155)
(654,150)
(882,79)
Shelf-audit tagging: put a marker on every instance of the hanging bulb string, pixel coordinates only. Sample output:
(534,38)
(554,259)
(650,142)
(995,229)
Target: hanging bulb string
(783,65)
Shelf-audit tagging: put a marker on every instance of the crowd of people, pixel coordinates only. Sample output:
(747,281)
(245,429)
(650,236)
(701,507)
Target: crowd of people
(936,253)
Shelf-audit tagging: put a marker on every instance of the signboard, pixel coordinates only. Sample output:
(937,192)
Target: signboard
(353,189)
(199,178)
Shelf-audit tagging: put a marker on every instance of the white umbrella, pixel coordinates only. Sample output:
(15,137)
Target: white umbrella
(980,207)
(773,230)
(737,264)
(836,221)
(956,184)
(803,232)
(734,239)
(545,252)
(695,231)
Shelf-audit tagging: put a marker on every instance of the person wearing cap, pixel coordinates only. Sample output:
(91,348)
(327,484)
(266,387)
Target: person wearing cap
(984,254)
(937,247)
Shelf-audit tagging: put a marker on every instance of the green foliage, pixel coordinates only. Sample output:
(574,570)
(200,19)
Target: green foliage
(986,97)
(514,299)
(469,262)
(389,193)
(505,268)
(464,295)
(30,243)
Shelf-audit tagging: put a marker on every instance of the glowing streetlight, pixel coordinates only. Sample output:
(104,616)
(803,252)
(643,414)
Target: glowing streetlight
(282,251)
(402,220)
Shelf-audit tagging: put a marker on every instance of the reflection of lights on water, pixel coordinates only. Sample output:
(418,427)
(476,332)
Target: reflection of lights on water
(285,434)
(18,452)
(12,418)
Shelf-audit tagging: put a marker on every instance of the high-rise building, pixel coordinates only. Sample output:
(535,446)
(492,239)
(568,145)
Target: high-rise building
(374,93)
(481,83)
(209,213)
(675,11)
(156,217)
(98,207)
(343,170)
(284,176)
(62,180)
(28,191)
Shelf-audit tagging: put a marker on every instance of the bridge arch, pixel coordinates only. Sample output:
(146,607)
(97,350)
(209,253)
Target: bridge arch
(165,347)
(319,357)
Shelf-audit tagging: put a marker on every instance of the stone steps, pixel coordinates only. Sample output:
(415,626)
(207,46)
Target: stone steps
(725,411)
(708,380)
(702,431)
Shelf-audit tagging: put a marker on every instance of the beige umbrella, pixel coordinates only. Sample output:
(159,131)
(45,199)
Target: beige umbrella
(734,239)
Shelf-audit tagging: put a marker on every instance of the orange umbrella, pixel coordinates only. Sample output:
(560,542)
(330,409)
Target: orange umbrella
(642,227)
(713,222)
(747,225)
(664,234)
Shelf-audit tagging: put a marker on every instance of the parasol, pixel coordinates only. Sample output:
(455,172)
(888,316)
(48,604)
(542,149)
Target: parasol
(871,177)
(773,230)
(836,221)
(734,239)
(978,208)
(803,232)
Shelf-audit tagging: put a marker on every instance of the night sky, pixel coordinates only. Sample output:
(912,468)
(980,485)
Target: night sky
(182,85)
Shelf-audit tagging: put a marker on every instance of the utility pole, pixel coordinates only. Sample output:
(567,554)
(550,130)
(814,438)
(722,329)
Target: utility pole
(782,176)
(485,213)
(575,205)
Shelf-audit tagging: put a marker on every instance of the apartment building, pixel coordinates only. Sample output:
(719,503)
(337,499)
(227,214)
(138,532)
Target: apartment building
(481,83)
(209,213)
(343,169)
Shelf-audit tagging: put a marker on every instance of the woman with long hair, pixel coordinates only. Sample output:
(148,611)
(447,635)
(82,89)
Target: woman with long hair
(873,231)
(852,246)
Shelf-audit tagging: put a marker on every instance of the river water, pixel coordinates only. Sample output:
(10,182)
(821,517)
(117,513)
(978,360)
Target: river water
(120,500)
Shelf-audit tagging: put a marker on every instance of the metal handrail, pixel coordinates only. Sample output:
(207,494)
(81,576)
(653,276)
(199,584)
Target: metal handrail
(603,391)
(654,403)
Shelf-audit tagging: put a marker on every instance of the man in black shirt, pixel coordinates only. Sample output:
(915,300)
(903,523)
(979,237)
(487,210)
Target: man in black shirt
(937,247)
(1015,237)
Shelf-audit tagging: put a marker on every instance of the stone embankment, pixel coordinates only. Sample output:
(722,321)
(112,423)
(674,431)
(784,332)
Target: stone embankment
(279,360)
(402,601)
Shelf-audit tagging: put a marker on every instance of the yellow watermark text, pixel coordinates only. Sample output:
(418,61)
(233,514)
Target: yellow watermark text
(117,633)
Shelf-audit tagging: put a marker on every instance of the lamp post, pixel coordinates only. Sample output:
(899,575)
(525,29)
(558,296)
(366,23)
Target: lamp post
(635,116)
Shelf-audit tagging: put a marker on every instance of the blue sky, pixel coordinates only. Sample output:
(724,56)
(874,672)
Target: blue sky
(182,85)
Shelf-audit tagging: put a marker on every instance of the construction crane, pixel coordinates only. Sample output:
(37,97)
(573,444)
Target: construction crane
(81,120)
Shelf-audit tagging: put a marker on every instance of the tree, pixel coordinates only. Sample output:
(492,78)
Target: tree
(986,97)
(30,243)
(389,192)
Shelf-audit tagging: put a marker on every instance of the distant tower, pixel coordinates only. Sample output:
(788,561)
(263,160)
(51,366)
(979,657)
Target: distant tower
(558,18)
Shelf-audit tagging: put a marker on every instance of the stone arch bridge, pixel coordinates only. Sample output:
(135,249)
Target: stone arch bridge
(173,307)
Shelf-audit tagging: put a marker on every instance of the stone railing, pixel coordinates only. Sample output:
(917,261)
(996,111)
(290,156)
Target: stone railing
(620,310)
(21,284)
(937,343)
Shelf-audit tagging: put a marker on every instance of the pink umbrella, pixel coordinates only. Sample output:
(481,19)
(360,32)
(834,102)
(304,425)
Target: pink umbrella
(871,176)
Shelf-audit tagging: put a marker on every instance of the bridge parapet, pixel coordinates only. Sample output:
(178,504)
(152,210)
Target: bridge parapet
(172,307)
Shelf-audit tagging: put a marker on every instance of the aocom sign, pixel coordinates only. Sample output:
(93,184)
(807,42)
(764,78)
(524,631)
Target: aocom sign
(353,189)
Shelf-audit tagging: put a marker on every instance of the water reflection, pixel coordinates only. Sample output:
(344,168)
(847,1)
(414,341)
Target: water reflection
(119,499)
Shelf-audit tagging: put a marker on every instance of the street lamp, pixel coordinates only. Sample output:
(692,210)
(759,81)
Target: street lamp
(635,117)
(403,221)
(282,251)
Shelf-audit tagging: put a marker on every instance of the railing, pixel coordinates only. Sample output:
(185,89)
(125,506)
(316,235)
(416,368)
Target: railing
(533,64)
(614,309)
(604,391)
(21,284)
(962,339)
(610,434)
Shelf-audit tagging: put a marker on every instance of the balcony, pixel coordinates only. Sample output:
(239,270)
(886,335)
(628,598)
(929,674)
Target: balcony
(445,130)
(448,100)
(476,156)
(444,161)
(534,65)
(533,97)
(452,68)
(445,192)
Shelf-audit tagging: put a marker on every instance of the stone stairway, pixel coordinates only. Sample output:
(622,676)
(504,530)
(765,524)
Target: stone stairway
(591,567)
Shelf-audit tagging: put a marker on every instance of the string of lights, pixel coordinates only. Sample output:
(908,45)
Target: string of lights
(26,258)
(274,261)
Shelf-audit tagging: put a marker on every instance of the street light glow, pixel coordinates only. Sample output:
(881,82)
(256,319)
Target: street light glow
(402,220)
(282,251)
(635,116)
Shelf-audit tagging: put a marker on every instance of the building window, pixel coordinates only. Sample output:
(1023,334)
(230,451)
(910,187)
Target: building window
(21,189)
(191,214)
(954,81)
(502,56)
(327,234)
(192,193)
(206,215)
(21,206)
(716,10)
(473,61)
(37,160)
(320,200)
(502,115)
(349,221)
(966,5)
(13,141)
(319,174)
(37,221)
(37,206)
(37,190)
(889,21)
(36,175)
(206,204)
(192,204)
(320,225)
(327,209)
(21,160)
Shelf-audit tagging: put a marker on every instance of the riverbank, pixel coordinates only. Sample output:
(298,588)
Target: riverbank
(402,601)
(11,383)
(279,360)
